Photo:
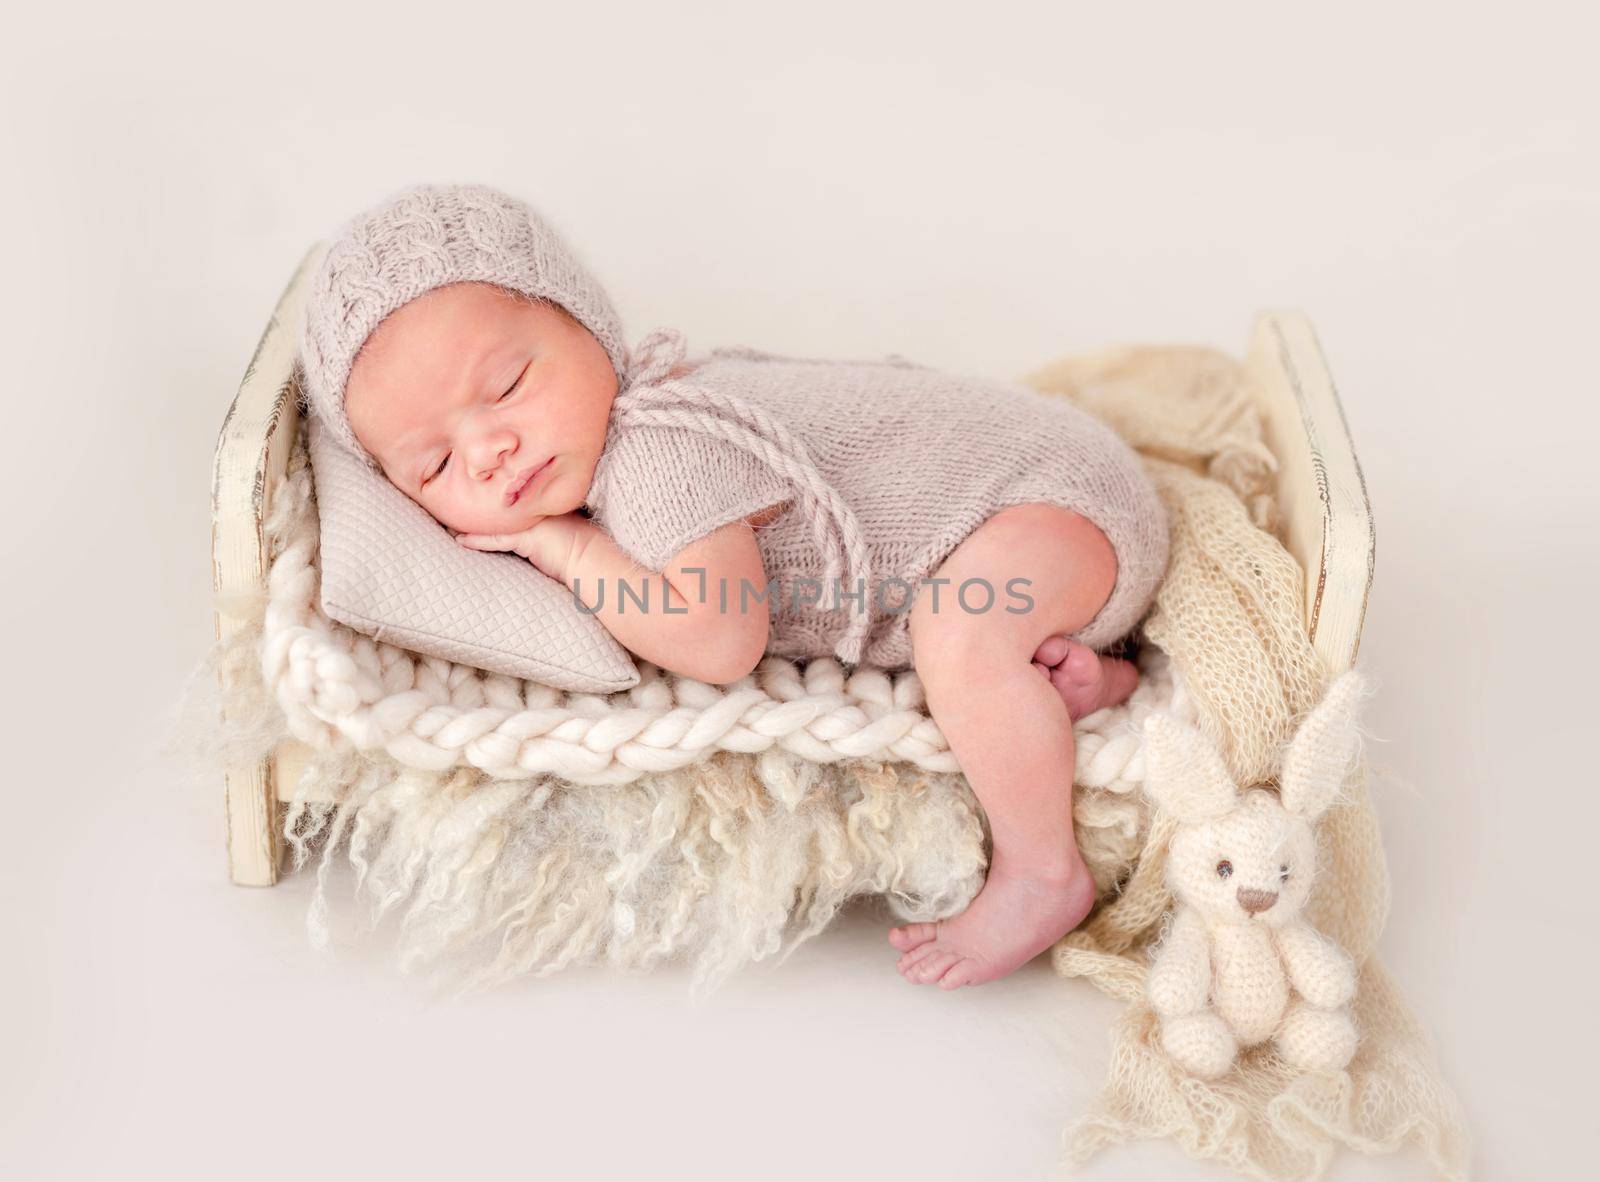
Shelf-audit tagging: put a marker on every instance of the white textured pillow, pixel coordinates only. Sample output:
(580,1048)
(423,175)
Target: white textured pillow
(392,572)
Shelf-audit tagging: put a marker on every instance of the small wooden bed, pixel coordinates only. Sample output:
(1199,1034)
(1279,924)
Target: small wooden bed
(1323,499)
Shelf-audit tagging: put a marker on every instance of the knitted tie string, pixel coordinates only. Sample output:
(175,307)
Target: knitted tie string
(651,399)
(653,357)
(643,412)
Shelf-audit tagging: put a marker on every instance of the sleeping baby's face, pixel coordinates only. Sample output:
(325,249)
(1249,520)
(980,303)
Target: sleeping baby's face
(466,390)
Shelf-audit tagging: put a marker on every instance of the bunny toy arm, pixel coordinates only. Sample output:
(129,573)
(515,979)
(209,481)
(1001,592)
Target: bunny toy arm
(1180,980)
(1318,968)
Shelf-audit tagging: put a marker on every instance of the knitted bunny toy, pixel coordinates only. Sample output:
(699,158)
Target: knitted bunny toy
(1240,964)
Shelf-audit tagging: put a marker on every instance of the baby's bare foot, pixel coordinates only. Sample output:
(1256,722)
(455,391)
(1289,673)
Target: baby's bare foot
(1015,917)
(1085,680)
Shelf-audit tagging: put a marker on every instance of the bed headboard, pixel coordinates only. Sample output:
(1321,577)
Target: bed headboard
(252,457)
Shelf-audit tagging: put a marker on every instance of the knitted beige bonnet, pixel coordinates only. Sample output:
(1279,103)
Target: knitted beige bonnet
(421,238)
(431,235)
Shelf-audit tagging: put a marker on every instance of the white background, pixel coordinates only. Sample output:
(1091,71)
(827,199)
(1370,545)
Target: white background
(980,188)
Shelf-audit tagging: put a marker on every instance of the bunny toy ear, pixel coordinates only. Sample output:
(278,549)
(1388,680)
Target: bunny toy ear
(1324,746)
(1183,773)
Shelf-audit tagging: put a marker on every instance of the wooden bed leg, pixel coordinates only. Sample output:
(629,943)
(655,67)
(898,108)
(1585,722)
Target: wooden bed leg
(255,824)
(252,809)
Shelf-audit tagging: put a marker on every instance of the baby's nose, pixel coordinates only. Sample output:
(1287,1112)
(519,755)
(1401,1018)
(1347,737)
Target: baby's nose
(1254,901)
(488,454)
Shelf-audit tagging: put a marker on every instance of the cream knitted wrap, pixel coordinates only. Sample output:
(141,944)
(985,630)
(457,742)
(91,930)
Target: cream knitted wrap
(1229,615)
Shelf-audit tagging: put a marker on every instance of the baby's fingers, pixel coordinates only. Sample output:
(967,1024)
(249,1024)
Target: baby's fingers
(482,541)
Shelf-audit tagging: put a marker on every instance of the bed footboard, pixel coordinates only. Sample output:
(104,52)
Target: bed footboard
(1322,496)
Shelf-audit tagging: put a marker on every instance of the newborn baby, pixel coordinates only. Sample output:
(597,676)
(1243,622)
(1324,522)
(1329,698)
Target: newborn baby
(711,510)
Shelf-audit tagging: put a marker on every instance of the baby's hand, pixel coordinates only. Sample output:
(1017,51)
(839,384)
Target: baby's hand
(550,543)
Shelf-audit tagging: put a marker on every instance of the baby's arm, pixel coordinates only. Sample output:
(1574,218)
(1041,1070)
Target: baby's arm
(684,627)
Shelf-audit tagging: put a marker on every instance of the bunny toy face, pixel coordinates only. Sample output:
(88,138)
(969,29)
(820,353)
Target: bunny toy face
(1248,858)
(1252,865)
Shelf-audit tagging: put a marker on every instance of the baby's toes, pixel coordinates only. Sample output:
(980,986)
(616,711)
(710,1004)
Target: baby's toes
(960,974)
(912,935)
(1052,650)
(930,969)
(1081,666)
(916,956)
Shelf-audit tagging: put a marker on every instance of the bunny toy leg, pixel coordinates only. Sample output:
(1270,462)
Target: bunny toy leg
(1316,1040)
(1200,1043)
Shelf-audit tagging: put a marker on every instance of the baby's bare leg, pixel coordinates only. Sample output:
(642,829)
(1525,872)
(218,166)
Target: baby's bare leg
(1011,732)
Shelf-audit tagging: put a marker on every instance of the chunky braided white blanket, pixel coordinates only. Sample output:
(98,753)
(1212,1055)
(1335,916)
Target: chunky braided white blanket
(333,683)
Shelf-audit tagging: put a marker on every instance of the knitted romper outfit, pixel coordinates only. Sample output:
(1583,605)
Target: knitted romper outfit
(887,467)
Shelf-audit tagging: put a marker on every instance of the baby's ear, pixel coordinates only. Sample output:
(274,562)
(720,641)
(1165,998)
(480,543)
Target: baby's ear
(1183,772)
(1320,754)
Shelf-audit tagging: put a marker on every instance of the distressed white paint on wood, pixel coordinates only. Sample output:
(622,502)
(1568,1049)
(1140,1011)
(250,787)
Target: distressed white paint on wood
(252,456)
(1327,519)
(289,761)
